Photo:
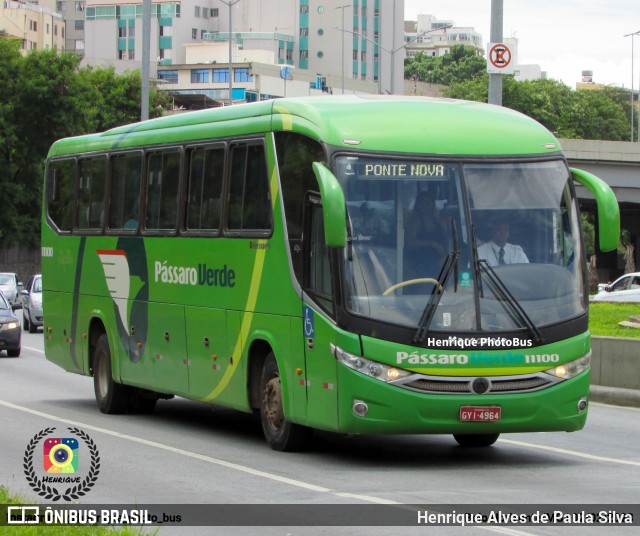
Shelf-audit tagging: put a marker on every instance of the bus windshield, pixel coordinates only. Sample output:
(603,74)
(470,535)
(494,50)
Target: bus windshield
(470,246)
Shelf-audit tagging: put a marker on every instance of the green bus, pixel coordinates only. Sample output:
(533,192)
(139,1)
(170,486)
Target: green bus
(328,263)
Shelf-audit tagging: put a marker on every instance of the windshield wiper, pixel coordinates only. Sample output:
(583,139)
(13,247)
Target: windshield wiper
(450,264)
(511,305)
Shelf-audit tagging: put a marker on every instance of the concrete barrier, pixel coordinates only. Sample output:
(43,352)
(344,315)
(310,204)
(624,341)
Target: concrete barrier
(615,371)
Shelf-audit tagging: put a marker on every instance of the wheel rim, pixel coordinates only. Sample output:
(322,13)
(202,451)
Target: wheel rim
(272,403)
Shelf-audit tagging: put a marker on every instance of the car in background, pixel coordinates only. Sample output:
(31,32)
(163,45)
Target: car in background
(624,289)
(11,286)
(32,313)
(10,333)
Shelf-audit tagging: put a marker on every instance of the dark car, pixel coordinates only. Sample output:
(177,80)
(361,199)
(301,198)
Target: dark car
(32,316)
(10,332)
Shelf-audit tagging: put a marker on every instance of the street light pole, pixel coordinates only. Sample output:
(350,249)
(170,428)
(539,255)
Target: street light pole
(391,52)
(495,80)
(230,3)
(342,53)
(633,34)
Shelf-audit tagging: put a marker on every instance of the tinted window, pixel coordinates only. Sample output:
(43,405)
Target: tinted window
(126,172)
(92,173)
(60,185)
(249,198)
(206,173)
(162,190)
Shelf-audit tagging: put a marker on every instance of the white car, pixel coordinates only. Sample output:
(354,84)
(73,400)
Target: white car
(624,289)
(11,286)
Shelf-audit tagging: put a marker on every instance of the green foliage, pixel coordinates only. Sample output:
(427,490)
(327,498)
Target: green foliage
(588,234)
(462,63)
(583,114)
(47,97)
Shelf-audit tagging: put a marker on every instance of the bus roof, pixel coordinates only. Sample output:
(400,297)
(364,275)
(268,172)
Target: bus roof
(367,122)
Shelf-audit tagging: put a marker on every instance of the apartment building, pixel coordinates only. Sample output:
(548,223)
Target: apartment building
(337,47)
(38,27)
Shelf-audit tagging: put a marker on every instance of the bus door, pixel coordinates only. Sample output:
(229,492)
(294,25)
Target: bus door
(318,326)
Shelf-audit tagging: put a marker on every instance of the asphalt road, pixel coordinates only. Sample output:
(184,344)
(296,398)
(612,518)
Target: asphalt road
(188,453)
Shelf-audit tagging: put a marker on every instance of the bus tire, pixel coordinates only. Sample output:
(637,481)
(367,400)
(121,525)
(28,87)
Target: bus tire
(111,397)
(281,435)
(476,440)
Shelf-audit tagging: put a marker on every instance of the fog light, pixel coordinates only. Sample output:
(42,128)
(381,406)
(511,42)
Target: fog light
(360,408)
(582,405)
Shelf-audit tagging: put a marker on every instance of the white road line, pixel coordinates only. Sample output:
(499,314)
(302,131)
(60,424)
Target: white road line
(271,476)
(569,452)
(33,349)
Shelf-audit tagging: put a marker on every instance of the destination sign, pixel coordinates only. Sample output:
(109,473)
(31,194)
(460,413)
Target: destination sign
(375,169)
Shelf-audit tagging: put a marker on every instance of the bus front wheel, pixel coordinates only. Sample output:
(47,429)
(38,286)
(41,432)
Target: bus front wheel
(280,434)
(111,397)
(476,440)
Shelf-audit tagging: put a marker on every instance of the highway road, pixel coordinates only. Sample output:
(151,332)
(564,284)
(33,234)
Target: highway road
(189,453)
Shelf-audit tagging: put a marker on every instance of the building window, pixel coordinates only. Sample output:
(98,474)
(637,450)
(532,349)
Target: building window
(170,77)
(290,55)
(363,56)
(79,24)
(242,75)
(202,32)
(199,76)
(132,54)
(194,33)
(214,12)
(221,75)
(205,12)
(304,54)
(122,31)
(61,6)
(304,9)
(79,6)
(33,25)
(197,11)
(304,32)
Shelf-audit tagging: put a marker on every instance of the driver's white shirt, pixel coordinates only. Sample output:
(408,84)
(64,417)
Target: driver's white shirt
(513,254)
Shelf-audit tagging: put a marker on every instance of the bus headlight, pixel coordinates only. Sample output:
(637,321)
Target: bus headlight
(571,369)
(373,369)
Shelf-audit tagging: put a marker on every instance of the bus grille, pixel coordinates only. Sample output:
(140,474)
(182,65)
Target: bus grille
(495,384)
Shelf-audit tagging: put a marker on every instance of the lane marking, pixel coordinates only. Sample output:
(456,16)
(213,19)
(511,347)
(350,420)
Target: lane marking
(263,474)
(569,452)
(33,349)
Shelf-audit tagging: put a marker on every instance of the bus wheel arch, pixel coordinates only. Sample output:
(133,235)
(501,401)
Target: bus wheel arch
(280,434)
(111,397)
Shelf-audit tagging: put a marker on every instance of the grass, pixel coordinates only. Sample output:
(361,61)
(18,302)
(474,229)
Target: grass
(20,530)
(604,318)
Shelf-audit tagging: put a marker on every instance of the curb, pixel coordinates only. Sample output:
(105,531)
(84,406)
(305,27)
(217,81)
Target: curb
(614,395)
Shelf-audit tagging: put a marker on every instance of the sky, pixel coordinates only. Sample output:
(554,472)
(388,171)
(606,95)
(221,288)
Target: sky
(564,37)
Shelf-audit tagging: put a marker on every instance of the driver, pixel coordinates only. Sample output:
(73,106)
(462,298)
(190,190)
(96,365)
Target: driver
(498,250)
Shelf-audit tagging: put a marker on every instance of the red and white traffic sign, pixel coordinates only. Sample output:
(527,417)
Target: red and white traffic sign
(499,58)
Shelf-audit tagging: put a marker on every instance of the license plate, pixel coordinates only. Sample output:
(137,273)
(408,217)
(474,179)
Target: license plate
(480,413)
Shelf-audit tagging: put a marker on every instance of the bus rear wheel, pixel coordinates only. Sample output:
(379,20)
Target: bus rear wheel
(476,440)
(111,397)
(280,434)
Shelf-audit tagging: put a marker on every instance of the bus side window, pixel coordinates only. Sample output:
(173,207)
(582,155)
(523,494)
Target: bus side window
(296,153)
(206,173)
(249,196)
(126,173)
(163,182)
(60,187)
(92,174)
(318,272)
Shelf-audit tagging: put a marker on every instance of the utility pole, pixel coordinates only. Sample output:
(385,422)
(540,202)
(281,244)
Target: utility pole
(230,3)
(495,80)
(146,58)
(342,50)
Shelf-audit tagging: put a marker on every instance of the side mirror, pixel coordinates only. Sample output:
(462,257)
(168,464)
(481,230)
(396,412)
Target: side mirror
(334,207)
(24,292)
(608,210)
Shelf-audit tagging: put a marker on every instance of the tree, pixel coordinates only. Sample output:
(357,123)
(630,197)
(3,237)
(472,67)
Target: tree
(47,97)
(582,114)
(461,63)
